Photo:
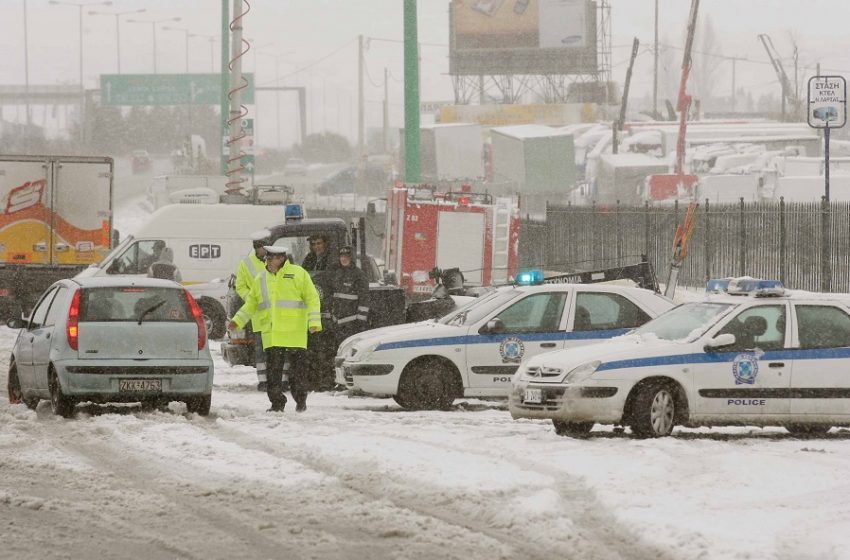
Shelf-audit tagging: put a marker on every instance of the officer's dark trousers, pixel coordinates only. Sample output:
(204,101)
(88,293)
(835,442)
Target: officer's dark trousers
(294,359)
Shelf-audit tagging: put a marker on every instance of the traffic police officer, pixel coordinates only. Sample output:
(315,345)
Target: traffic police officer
(248,269)
(284,305)
(351,297)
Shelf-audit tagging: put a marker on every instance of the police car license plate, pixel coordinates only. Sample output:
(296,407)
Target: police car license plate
(533,396)
(140,385)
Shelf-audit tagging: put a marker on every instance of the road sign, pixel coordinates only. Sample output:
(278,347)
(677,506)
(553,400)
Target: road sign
(248,162)
(827,107)
(167,89)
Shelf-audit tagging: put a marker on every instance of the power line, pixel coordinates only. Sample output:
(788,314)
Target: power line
(307,66)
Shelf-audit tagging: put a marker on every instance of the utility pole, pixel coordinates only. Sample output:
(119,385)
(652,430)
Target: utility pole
(234,142)
(655,72)
(27,77)
(386,113)
(225,85)
(411,94)
(360,101)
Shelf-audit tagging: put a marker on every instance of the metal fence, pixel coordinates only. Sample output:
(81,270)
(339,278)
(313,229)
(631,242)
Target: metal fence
(806,245)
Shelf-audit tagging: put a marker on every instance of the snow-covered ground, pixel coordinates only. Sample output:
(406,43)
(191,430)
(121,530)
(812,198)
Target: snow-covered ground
(360,478)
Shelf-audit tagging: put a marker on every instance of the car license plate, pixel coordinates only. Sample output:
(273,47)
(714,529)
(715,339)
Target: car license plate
(140,385)
(533,396)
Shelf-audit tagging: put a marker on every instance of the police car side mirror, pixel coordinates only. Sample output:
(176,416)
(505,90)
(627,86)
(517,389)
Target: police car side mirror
(16,323)
(493,326)
(720,341)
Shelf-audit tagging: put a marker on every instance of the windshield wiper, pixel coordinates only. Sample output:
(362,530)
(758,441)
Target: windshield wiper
(150,309)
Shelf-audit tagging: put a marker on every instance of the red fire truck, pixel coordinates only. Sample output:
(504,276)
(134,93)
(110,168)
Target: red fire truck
(427,229)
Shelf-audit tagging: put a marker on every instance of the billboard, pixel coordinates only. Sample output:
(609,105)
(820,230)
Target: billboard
(522,37)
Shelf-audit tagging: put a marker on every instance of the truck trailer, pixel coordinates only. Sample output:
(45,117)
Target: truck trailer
(56,221)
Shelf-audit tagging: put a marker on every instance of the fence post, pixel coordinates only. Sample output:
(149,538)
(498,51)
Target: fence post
(619,234)
(742,236)
(707,241)
(646,229)
(782,240)
(547,248)
(826,271)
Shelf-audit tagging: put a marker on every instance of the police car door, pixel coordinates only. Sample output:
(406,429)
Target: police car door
(751,377)
(528,326)
(599,315)
(820,380)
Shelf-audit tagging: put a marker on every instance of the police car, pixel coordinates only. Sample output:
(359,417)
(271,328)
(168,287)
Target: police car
(476,349)
(756,355)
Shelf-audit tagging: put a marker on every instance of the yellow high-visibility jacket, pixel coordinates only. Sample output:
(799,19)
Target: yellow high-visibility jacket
(248,269)
(282,306)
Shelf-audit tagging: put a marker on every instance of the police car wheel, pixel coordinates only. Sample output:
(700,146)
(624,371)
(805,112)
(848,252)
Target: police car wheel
(572,429)
(425,386)
(654,411)
(807,429)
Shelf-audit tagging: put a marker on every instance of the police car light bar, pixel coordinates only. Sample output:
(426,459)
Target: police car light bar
(755,287)
(530,278)
(717,285)
(293,212)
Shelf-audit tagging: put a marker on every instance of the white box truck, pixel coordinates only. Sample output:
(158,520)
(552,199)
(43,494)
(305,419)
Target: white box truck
(185,189)
(56,219)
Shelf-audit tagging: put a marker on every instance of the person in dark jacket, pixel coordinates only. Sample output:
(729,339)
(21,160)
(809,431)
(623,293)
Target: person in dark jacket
(350,297)
(164,266)
(319,257)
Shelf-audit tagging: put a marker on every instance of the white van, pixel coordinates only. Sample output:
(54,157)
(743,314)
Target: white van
(208,241)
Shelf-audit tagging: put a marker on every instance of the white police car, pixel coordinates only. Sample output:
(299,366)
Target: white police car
(730,359)
(476,349)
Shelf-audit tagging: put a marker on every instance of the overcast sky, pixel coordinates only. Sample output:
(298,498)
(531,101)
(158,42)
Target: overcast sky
(294,34)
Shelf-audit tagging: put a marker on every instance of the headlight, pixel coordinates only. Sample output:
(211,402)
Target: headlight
(582,372)
(360,353)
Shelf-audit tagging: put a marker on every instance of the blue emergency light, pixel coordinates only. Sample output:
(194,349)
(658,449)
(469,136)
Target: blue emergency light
(293,212)
(756,287)
(717,285)
(530,278)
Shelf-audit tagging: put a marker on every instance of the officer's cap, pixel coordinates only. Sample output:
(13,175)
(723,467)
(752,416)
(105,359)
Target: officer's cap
(261,238)
(281,247)
(346,250)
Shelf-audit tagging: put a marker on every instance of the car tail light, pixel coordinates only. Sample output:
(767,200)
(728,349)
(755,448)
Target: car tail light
(199,320)
(73,328)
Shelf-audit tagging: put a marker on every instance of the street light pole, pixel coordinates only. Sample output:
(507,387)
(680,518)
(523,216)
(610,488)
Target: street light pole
(211,39)
(153,23)
(117,29)
(80,6)
(186,35)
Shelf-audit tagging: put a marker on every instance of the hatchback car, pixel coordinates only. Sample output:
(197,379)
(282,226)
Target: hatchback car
(777,360)
(475,350)
(112,339)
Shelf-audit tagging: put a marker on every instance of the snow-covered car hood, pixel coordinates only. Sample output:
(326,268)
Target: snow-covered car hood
(626,347)
(398,333)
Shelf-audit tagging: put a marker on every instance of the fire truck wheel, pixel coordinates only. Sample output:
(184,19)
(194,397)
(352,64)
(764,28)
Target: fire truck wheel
(425,385)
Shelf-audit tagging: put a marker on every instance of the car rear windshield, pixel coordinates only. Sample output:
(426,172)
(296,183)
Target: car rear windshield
(134,303)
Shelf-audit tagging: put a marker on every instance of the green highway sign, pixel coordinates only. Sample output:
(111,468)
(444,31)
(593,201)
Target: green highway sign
(248,162)
(167,89)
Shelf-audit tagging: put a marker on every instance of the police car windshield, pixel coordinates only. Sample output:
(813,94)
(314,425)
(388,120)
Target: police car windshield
(686,322)
(478,308)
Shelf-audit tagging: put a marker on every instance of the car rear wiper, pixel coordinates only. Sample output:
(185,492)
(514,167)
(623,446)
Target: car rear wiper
(150,309)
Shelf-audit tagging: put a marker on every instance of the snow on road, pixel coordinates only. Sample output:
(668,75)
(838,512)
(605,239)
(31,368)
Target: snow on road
(360,478)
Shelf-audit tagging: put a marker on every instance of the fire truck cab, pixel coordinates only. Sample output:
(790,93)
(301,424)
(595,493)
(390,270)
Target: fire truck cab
(427,229)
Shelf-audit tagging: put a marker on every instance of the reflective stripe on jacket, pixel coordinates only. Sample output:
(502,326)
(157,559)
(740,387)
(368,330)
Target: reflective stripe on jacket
(248,269)
(282,306)
(351,296)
